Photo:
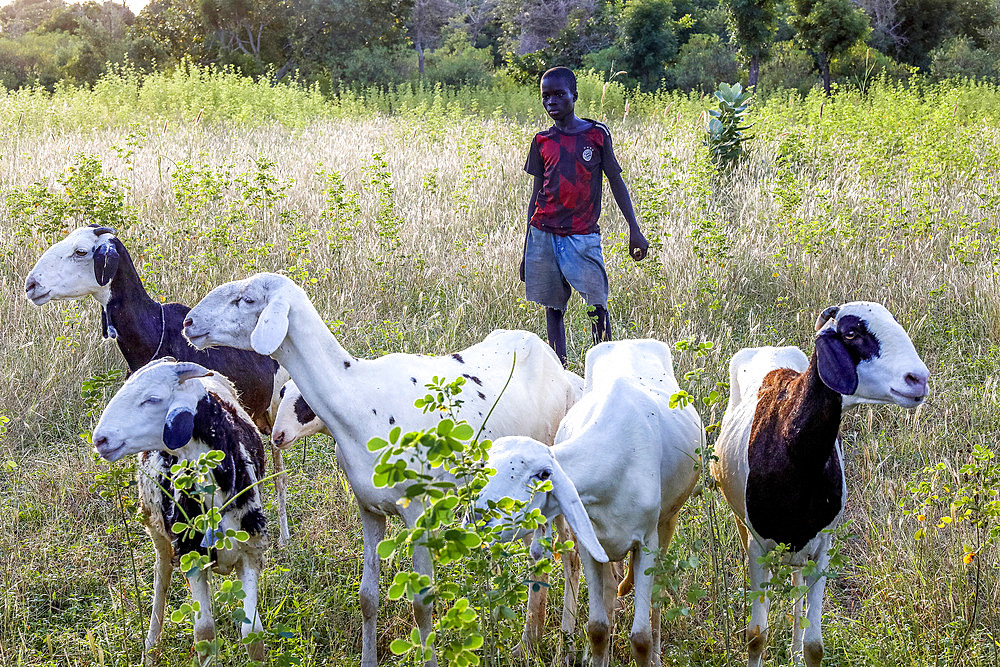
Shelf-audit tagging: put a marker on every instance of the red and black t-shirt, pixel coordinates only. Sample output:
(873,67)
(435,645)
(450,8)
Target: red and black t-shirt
(572,167)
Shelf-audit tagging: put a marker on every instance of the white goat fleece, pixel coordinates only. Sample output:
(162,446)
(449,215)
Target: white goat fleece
(894,374)
(631,460)
(294,419)
(359,399)
(162,413)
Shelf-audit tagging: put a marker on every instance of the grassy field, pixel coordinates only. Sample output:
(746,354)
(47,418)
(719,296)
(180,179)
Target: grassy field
(405,229)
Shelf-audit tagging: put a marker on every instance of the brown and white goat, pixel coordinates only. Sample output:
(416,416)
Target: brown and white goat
(780,464)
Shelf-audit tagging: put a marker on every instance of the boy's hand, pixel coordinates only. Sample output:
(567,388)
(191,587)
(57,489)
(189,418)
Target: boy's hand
(637,245)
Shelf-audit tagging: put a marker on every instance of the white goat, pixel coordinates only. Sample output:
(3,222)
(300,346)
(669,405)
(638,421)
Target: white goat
(632,460)
(294,419)
(169,411)
(93,261)
(780,464)
(360,399)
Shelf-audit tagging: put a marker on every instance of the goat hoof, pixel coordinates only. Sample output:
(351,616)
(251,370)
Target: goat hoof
(813,652)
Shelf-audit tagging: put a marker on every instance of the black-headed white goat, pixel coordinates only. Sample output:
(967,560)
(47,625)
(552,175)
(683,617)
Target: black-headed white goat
(631,459)
(169,411)
(294,419)
(780,464)
(93,261)
(359,399)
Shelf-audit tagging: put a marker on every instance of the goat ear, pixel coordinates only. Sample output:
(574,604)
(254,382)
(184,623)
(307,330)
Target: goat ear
(272,326)
(837,369)
(188,370)
(178,427)
(576,516)
(105,263)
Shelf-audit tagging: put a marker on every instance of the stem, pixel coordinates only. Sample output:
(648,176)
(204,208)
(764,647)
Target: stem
(135,571)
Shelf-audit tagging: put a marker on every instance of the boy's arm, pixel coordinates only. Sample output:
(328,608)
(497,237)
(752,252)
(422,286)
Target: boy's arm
(535,189)
(637,243)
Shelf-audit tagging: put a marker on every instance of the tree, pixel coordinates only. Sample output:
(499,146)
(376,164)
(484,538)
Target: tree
(650,40)
(535,22)
(828,28)
(239,25)
(171,29)
(753,25)
(426,21)
(925,25)
(23,16)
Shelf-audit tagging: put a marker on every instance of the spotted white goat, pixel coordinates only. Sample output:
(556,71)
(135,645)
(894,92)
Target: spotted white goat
(170,411)
(780,463)
(93,261)
(359,399)
(631,459)
(294,419)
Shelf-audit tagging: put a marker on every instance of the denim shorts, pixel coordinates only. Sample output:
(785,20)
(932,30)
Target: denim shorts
(553,264)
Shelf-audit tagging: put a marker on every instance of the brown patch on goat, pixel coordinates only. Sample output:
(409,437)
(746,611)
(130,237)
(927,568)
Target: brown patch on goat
(795,482)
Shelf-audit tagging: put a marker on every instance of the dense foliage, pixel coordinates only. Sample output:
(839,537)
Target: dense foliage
(682,44)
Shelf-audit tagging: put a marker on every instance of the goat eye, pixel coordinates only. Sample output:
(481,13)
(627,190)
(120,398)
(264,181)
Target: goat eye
(248,300)
(152,400)
(850,335)
(545,474)
(80,252)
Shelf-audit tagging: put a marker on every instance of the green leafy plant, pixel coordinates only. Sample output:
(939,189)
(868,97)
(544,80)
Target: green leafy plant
(724,134)
(477,579)
(88,196)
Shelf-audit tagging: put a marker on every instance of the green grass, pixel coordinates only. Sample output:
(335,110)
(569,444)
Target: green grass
(889,197)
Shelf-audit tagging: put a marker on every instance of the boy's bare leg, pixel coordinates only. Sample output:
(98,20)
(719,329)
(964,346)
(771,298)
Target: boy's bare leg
(600,323)
(557,332)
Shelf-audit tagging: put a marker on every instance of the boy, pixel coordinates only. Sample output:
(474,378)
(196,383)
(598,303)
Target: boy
(562,245)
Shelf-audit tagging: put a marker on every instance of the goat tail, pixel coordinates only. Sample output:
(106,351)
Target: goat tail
(628,582)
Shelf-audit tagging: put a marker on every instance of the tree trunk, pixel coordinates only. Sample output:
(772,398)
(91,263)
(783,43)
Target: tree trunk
(824,69)
(754,72)
(419,44)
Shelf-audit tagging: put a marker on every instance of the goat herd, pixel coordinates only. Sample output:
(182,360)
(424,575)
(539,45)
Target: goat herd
(620,459)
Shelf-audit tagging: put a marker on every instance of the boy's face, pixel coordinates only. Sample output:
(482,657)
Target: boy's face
(557,98)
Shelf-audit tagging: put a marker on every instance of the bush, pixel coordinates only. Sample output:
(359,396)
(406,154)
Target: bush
(704,61)
(605,61)
(458,63)
(861,64)
(789,67)
(959,57)
(650,41)
(36,58)
(374,65)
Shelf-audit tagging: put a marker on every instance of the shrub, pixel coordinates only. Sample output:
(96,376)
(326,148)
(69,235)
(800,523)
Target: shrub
(378,65)
(789,67)
(458,63)
(959,57)
(36,59)
(861,64)
(703,62)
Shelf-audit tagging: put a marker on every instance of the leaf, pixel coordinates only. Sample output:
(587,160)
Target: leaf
(400,646)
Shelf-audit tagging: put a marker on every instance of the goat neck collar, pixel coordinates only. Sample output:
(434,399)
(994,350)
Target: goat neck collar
(163,334)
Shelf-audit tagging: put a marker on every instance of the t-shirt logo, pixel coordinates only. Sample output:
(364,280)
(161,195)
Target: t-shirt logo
(588,152)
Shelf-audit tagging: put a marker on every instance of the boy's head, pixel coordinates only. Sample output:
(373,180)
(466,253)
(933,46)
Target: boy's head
(562,74)
(559,92)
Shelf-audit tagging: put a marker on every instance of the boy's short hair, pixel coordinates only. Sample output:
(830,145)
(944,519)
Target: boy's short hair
(563,73)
